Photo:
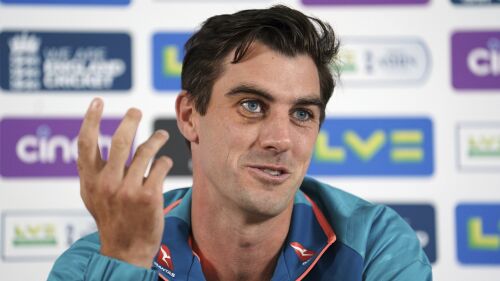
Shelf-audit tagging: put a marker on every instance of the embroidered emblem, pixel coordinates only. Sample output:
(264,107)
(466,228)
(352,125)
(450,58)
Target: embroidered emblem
(164,258)
(303,253)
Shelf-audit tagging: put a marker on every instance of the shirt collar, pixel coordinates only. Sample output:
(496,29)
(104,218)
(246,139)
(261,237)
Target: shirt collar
(309,236)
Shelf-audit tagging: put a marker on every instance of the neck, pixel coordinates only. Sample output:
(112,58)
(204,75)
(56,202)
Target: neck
(233,245)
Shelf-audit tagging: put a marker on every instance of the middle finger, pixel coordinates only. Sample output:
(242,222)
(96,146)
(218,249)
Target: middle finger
(121,142)
(143,156)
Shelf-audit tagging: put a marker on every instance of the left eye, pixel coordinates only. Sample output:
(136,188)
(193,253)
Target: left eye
(302,115)
(252,106)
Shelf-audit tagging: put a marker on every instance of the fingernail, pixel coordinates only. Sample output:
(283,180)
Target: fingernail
(95,104)
(162,132)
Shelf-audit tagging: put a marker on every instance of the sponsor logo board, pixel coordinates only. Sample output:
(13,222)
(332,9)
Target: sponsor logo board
(363,2)
(479,146)
(374,147)
(368,62)
(422,219)
(176,148)
(212,1)
(475,2)
(69,2)
(168,54)
(42,234)
(61,61)
(475,57)
(45,147)
(478,233)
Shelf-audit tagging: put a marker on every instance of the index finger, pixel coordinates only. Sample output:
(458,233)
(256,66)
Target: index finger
(88,150)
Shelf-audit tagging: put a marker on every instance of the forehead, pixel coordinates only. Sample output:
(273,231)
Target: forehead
(285,77)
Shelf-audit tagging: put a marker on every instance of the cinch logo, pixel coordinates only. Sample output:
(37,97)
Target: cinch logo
(49,61)
(478,233)
(421,218)
(45,147)
(476,60)
(168,53)
(383,61)
(69,2)
(38,234)
(475,2)
(362,2)
(479,146)
(176,148)
(375,146)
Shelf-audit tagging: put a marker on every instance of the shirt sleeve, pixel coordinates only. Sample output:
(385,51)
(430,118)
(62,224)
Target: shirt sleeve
(82,261)
(394,251)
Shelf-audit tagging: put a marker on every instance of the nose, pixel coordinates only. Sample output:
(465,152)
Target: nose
(275,133)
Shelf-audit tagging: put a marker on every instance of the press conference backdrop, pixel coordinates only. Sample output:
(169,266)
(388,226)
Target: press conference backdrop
(414,122)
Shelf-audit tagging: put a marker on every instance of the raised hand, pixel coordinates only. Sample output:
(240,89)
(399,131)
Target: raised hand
(127,207)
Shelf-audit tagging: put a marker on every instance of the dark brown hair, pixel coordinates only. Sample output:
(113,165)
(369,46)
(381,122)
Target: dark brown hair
(282,29)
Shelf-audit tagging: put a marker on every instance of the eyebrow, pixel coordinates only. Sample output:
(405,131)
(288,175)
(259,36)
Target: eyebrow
(310,101)
(254,90)
(250,89)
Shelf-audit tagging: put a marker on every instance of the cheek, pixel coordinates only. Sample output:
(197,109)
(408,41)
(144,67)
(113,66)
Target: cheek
(304,145)
(227,140)
(238,134)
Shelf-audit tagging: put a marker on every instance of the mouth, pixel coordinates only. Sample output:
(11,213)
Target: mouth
(272,172)
(269,173)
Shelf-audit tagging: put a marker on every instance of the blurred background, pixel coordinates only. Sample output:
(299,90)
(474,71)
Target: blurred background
(413,123)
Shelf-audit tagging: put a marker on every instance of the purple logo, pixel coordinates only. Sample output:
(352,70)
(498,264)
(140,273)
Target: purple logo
(45,147)
(476,60)
(363,2)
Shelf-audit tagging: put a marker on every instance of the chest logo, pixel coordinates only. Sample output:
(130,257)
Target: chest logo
(164,258)
(303,253)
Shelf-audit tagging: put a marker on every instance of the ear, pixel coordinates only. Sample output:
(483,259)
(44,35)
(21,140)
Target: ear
(186,116)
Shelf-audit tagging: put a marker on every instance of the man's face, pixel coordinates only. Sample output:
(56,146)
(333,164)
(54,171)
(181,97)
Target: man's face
(256,139)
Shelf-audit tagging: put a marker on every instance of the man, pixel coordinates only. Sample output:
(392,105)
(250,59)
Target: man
(255,87)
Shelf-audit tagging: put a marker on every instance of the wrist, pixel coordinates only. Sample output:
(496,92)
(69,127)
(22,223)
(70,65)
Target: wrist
(135,257)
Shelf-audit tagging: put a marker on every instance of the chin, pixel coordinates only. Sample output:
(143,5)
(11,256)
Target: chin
(265,203)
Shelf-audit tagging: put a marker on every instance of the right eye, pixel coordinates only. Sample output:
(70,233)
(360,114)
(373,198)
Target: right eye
(252,106)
